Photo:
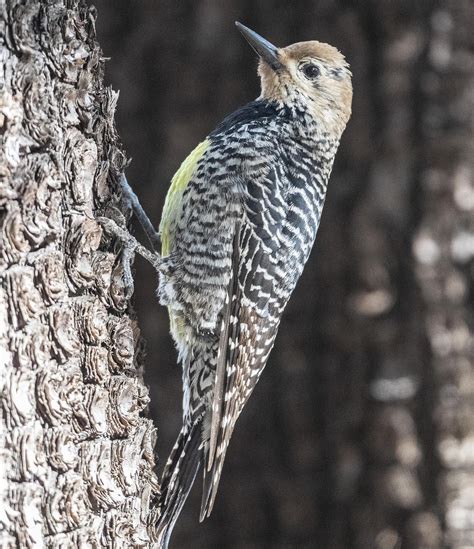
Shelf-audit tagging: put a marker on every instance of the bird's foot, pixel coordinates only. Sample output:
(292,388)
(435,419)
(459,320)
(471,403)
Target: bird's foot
(127,257)
(131,246)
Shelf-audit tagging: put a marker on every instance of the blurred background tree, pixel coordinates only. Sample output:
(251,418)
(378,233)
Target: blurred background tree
(361,431)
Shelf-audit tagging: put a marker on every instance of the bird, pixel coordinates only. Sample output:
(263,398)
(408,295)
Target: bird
(238,225)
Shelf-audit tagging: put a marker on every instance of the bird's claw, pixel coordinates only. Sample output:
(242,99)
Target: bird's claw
(128,256)
(130,243)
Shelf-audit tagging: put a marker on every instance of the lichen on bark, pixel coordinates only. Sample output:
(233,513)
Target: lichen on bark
(77,449)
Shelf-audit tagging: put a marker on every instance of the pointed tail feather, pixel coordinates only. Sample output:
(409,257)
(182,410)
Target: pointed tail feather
(178,479)
(211,479)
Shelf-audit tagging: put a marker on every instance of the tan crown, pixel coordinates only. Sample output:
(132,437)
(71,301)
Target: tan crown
(328,98)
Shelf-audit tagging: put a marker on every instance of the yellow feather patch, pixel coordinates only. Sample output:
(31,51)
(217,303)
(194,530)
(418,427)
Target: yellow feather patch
(172,207)
(169,218)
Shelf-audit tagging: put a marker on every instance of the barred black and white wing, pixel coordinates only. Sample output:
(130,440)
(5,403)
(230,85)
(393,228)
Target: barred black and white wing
(250,319)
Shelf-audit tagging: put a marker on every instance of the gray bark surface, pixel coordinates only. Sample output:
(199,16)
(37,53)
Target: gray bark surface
(76,446)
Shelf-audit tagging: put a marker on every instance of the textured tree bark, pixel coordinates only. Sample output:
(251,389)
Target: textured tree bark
(76,444)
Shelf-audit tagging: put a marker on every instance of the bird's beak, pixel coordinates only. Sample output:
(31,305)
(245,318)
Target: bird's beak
(264,49)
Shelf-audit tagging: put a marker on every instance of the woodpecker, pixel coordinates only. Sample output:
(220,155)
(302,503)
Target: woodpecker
(239,221)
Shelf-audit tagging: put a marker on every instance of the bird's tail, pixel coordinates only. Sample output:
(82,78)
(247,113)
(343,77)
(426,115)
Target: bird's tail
(211,479)
(177,480)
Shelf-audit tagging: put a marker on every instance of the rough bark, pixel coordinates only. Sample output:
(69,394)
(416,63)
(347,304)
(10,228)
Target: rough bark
(76,445)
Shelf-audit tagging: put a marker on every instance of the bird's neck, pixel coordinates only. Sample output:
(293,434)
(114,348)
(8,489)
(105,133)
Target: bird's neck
(303,127)
(309,119)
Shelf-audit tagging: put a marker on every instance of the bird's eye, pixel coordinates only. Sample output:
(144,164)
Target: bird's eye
(311,71)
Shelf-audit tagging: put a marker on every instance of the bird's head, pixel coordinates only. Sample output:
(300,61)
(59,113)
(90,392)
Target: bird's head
(309,75)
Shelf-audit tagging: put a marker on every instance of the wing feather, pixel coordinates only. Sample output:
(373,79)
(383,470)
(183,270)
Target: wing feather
(247,342)
(249,329)
(220,379)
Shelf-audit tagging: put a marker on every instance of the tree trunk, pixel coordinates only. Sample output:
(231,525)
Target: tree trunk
(76,444)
